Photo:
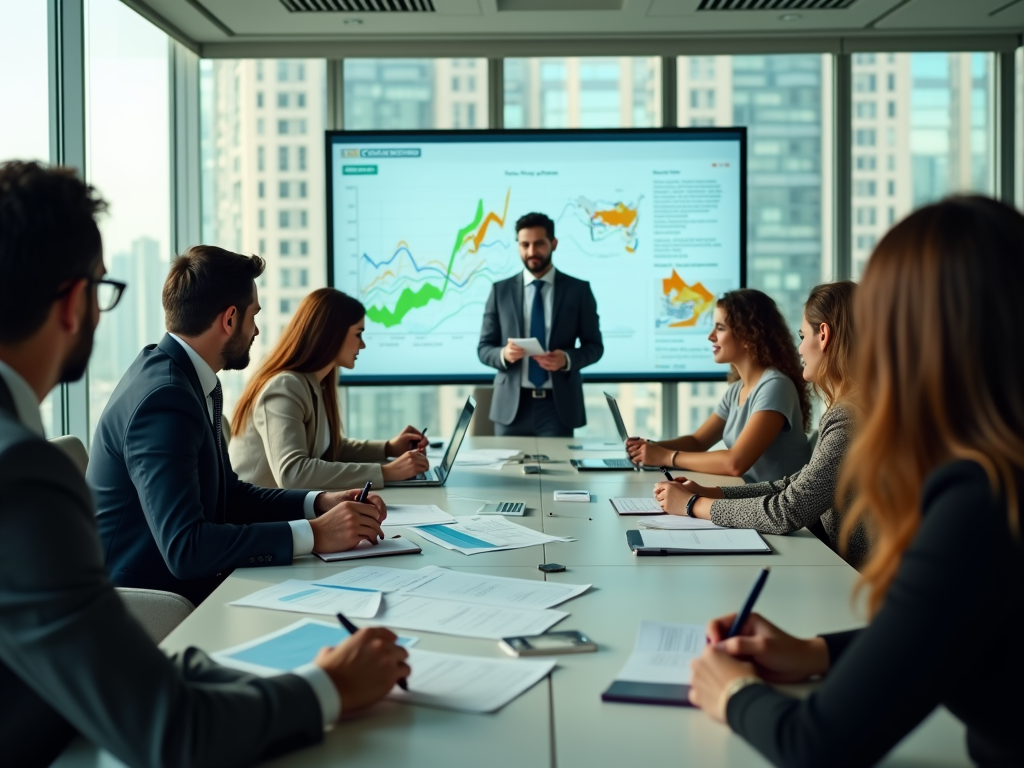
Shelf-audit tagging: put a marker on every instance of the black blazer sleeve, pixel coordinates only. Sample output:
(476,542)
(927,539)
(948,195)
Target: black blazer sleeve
(957,590)
(162,453)
(591,347)
(72,656)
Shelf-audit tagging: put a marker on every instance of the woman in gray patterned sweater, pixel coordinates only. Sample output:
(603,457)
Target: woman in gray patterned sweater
(808,495)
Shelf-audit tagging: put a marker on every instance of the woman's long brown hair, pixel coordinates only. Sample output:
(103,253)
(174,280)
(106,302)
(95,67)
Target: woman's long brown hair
(938,369)
(757,323)
(311,341)
(832,304)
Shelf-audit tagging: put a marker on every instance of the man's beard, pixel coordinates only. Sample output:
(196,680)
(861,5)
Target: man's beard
(77,360)
(236,350)
(545,261)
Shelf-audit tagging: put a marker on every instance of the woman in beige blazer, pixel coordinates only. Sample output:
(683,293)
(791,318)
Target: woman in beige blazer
(286,430)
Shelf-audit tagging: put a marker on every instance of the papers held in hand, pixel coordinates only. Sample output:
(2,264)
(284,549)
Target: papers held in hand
(722,541)
(531,346)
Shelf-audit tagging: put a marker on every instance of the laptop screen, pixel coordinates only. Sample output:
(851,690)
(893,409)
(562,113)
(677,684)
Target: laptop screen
(457,437)
(619,424)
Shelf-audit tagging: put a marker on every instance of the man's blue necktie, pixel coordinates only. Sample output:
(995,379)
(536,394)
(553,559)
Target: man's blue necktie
(536,374)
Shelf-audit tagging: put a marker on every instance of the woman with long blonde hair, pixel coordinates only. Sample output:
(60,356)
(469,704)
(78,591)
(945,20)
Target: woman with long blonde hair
(286,428)
(937,468)
(806,497)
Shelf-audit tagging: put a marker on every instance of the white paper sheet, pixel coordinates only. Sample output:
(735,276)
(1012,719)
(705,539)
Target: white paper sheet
(454,617)
(468,683)
(287,648)
(531,345)
(444,584)
(663,653)
(676,523)
(443,680)
(415,514)
(486,458)
(312,597)
(636,506)
(474,534)
(719,540)
(596,445)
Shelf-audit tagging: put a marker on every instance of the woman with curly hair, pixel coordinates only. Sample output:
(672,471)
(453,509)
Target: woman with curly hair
(764,415)
(808,496)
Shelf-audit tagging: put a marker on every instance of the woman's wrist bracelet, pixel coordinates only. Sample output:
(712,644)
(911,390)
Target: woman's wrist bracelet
(689,505)
(672,461)
(733,688)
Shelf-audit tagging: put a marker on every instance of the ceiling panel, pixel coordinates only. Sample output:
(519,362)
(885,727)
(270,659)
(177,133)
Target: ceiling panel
(476,21)
(997,15)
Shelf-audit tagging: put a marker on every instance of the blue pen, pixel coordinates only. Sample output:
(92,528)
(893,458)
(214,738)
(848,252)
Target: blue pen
(363,494)
(744,614)
(352,628)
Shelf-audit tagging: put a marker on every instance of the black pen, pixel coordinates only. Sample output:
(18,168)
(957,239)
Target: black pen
(365,492)
(423,434)
(352,628)
(744,614)
(667,474)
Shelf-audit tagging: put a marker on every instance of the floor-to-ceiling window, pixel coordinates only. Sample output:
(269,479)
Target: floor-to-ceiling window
(128,160)
(24,133)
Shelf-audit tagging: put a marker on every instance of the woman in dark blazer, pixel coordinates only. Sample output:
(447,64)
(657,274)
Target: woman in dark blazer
(938,471)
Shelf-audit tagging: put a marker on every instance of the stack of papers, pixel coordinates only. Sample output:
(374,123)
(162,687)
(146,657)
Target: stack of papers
(676,523)
(430,599)
(312,597)
(484,533)
(444,584)
(416,514)
(487,458)
(443,680)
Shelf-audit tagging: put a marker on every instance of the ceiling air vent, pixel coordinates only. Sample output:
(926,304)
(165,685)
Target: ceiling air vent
(774,5)
(360,6)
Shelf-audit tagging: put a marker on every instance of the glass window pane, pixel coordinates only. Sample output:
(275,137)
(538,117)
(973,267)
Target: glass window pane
(127,117)
(622,92)
(931,136)
(415,93)
(782,100)
(238,163)
(24,89)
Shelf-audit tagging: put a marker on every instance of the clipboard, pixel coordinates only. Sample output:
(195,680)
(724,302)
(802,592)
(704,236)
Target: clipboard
(725,541)
(663,694)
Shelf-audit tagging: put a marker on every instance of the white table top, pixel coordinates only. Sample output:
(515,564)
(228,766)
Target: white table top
(562,721)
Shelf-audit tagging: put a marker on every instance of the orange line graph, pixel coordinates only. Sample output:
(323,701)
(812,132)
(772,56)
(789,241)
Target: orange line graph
(482,231)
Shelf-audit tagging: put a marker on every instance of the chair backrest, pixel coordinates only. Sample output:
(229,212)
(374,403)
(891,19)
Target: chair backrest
(158,612)
(482,426)
(74,448)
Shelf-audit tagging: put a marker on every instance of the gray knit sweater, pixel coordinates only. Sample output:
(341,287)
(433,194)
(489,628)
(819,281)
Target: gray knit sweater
(782,506)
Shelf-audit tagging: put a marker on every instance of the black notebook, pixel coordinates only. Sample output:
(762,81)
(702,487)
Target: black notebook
(665,694)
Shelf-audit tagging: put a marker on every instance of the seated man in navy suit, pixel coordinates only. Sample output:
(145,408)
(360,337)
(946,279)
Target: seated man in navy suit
(171,513)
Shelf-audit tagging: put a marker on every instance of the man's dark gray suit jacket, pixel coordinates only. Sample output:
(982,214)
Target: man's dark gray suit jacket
(573,316)
(172,514)
(73,661)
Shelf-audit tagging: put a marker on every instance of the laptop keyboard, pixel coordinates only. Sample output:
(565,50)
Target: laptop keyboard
(618,463)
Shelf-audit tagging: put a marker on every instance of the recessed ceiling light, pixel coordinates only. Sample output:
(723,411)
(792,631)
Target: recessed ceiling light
(790,17)
(353,21)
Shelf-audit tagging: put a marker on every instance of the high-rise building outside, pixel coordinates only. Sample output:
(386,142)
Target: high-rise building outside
(265,128)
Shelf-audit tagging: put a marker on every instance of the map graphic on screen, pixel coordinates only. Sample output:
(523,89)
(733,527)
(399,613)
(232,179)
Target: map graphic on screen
(421,225)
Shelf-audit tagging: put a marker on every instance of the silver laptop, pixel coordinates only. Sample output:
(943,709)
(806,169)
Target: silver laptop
(602,465)
(439,474)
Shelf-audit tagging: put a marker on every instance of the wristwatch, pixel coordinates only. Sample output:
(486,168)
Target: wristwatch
(689,505)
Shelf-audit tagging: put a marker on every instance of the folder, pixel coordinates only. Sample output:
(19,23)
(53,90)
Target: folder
(723,541)
(665,694)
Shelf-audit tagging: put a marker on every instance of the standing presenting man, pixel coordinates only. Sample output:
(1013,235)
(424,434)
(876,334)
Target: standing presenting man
(540,395)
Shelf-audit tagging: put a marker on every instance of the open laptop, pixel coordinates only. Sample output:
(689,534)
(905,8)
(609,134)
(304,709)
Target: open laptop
(439,474)
(604,465)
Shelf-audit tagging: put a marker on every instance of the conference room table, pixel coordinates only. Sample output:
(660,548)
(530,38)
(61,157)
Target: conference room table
(562,722)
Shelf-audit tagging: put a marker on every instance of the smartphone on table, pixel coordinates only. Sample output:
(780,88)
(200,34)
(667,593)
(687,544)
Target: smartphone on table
(570,641)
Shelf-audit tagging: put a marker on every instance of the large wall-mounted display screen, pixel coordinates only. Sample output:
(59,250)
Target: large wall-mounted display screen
(421,224)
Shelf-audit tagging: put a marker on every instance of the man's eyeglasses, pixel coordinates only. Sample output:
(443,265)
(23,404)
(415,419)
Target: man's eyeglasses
(108,292)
